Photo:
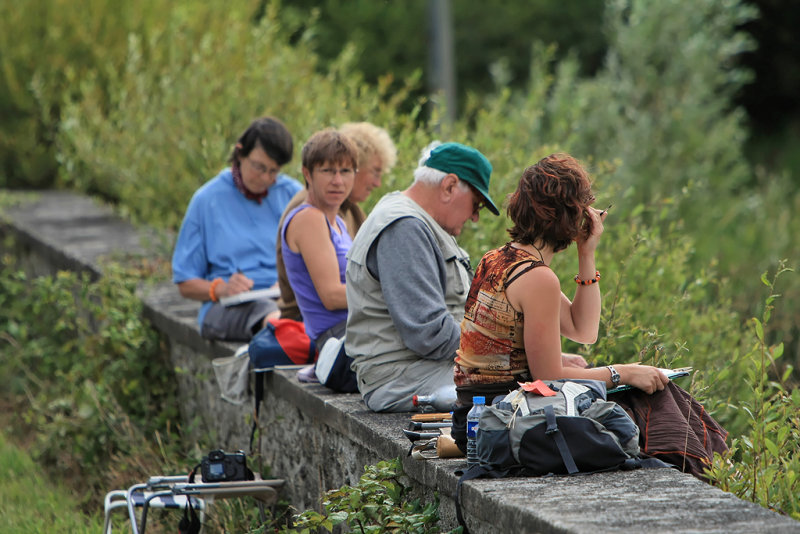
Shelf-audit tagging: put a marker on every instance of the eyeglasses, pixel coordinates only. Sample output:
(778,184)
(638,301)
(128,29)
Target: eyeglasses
(330,172)
(261,168)
(478,202)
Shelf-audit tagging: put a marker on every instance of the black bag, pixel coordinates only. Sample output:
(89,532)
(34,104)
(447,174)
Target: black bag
(281,342)
(555,427)
(189,523)
(571,429)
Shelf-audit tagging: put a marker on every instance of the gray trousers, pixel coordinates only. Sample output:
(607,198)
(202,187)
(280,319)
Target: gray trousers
(422,377)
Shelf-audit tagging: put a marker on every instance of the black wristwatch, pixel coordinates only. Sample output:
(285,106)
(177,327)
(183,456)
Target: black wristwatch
(614,375)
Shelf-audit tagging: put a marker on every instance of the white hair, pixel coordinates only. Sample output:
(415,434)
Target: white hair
(426,152)
(427,175)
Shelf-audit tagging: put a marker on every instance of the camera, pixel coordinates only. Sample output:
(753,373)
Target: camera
(220,466)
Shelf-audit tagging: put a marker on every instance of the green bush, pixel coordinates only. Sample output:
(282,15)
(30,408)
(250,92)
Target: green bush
(763,462)
(392,37)
(46,48)
(379,503)
(185,94)
(87,372)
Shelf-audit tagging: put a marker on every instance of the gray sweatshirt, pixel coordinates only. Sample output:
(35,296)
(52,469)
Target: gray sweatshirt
(407,282)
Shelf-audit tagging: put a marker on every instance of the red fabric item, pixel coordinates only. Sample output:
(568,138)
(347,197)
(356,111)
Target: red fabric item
(538,387)
(293,339)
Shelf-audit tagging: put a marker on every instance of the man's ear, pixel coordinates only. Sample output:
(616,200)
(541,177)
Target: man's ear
(449,186)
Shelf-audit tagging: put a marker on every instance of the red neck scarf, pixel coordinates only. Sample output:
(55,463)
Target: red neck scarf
(239,183)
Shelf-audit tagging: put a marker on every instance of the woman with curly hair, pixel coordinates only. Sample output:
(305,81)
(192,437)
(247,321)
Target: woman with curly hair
(516,312)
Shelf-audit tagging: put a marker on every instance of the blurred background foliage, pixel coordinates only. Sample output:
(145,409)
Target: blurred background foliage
(492,42)
(685,111)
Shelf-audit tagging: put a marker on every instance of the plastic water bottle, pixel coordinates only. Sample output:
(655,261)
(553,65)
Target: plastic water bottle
(440,400)
(474,415)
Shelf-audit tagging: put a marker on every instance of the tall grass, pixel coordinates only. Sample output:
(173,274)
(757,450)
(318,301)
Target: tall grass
(32,501)
(763,462)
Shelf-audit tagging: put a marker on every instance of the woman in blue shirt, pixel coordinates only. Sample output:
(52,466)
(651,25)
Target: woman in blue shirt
(226,244)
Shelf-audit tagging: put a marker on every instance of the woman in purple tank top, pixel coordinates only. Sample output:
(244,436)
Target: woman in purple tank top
(315,239)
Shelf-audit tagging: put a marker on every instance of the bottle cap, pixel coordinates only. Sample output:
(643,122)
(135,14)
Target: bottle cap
(415,400)
(479,400)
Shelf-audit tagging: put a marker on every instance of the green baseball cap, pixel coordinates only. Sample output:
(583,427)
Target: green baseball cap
(468,164)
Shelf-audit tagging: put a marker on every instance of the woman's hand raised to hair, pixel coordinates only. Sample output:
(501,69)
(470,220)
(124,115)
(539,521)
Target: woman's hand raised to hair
(587,243)
(648,379)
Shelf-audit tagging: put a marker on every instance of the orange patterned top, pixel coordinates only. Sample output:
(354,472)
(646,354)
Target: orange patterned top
(492,347)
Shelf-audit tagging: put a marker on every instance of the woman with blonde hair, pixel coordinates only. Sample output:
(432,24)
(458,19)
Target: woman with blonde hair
(376,155)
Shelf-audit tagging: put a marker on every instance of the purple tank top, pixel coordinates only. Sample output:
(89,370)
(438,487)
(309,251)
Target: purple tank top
(317,318)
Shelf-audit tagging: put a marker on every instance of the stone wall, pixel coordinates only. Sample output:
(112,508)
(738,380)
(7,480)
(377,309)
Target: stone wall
(319,440)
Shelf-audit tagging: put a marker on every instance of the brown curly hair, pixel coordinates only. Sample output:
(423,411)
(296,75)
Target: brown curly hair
(550,201)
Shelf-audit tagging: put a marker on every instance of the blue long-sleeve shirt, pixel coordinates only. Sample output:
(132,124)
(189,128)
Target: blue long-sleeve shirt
(223,232)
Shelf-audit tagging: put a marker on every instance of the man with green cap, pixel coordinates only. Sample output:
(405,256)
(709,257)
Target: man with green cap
(407,280)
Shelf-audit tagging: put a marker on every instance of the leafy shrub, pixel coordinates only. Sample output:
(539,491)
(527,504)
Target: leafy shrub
(762,464)
(665,112)
(657,129)
(392,37)
(94,379)
(46,48)
(185,94)
(660,311)
(379,503)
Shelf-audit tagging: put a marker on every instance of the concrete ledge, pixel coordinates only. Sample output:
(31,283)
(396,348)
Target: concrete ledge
(320,440)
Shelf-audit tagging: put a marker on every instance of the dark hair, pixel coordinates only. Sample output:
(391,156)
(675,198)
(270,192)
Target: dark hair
(329,145)
(271,135)
(549,203)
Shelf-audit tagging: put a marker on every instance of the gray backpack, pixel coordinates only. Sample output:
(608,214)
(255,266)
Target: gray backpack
(575,430)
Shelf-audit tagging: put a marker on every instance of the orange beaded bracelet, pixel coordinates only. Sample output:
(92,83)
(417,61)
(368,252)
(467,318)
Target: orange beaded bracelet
(212,290)
(589,281)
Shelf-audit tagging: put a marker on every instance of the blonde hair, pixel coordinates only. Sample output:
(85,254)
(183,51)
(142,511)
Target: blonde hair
(371,140)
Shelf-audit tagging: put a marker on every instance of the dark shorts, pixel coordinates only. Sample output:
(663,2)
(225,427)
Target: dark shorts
(236,323)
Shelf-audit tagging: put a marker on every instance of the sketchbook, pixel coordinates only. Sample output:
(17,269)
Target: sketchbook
(672,374)
(247,296)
